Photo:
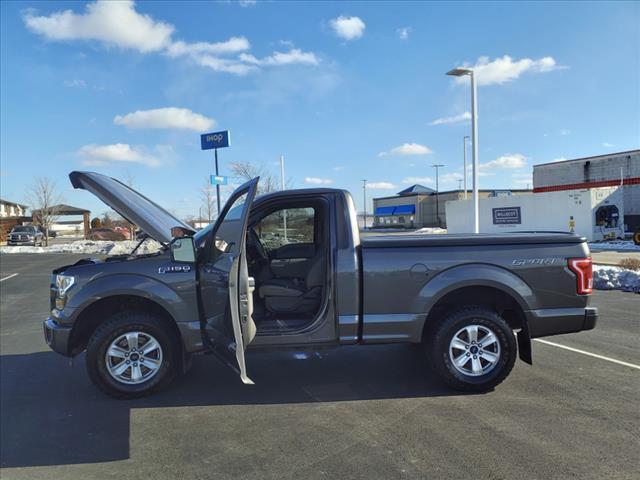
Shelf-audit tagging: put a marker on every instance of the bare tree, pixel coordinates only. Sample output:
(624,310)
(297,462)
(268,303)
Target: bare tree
(246,171)
(45,204)
(208,196)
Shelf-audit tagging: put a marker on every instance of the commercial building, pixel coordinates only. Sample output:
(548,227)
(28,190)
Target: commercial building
(614,169)
(11,209)
(594,213)
(419,206)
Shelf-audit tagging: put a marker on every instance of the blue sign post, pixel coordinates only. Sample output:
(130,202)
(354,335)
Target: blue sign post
(216,140)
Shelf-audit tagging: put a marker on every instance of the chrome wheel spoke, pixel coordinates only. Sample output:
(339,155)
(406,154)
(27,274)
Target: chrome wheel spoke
(150,363)
(149,347)
(476,366)
(489,357)
(116,351)
(489,339)
(132,340)
(461,360)
(120,368)
(136,373)
(472,333)
(459,344)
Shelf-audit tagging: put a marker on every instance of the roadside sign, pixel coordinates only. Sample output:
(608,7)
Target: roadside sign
(219,180)
(212,140)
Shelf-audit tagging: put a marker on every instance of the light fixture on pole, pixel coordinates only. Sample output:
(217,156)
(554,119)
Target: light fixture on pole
(464,141)
(437,195)
(364,194)
(461,72)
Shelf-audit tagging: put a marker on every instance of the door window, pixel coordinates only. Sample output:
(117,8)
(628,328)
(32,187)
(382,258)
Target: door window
(287,226)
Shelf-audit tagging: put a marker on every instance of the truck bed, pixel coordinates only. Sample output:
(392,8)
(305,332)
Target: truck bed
(442,240)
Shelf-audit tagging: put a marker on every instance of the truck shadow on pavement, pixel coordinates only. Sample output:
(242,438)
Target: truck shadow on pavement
(52,415)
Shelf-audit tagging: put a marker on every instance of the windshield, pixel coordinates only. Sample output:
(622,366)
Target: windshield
(23,229)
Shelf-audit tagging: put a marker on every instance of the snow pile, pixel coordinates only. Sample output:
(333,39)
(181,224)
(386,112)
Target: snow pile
(100,247)
(615,278)
(615,245)
(431,230)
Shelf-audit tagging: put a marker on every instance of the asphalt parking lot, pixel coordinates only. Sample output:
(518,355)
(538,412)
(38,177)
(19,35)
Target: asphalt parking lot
(352,412)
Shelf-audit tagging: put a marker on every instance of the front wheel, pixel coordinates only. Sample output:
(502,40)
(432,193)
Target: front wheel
(131,355)
(472,349)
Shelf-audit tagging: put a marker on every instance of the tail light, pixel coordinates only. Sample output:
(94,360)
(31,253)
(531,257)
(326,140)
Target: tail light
(583,269)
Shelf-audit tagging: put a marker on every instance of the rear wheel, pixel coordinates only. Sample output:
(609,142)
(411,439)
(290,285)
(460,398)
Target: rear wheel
(131,355)
(472,349)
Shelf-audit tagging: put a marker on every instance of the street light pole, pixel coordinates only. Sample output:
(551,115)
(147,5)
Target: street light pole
(437,195)
(461,72)
(464,141)
(364,194)
(284,212)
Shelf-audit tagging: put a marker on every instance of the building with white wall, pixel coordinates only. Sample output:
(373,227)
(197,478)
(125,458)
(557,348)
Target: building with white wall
(614,169)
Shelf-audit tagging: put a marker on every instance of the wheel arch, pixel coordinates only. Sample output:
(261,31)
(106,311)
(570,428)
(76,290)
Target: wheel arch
(97,312)
(482,285)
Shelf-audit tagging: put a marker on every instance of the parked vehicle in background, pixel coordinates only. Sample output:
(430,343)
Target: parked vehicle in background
(25,235)
(103,233)
(291,271)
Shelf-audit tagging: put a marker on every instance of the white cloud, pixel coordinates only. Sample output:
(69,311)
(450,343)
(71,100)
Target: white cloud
(339,168)
(232,45)
(510,160)
(523,179)
(295,55)
(114,23)
(559,159)
(349,28)
(403,33)
(408,149)
(318,181)
(75,83)
(564,132)
(505,69)
(97,155)
(381,185)
(463,117)
(247,3)
(414,180)
(169,117)
(607,144)
(117,23)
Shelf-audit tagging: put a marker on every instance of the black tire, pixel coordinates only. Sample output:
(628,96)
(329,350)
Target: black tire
(116,326)
(441,335)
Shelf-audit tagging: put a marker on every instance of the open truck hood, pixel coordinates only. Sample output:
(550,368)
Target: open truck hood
(154,220)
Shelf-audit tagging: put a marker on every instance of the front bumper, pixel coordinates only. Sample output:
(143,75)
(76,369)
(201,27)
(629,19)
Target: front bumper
(556,321)
(57,336)
(21,242)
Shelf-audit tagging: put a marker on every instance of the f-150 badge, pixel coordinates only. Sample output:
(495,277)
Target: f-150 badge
(174,269)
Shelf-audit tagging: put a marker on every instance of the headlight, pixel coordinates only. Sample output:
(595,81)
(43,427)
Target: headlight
(63,283)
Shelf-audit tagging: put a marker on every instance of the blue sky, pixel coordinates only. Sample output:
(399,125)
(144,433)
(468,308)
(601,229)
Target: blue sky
(344,90)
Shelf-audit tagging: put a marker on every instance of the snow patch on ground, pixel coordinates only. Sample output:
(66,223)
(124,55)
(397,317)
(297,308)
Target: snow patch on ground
(93,247)
(615,278)
(615,245)
(431,230)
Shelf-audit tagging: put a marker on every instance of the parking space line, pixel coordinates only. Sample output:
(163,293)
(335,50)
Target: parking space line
(589,354)
(8,277)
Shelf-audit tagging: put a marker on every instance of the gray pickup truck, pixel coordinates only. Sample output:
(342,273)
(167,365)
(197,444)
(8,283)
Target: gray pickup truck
(289,270)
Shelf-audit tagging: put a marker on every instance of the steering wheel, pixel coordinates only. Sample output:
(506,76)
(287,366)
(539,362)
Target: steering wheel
(256,245)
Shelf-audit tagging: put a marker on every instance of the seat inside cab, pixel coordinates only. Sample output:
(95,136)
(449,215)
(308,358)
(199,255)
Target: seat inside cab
(287,255)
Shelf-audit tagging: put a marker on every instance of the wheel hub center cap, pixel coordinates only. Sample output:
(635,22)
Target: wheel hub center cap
(134,357)
(473,349)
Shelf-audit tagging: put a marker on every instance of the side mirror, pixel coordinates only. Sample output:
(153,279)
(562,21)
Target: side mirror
(183,250)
